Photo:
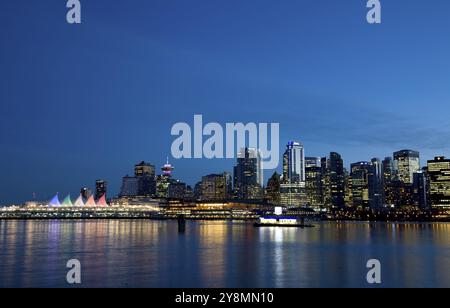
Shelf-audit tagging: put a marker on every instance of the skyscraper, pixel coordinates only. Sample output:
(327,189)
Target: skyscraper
(388,177)
(145,173)
(376,179)
(142,184)
(144,169)
(439,175)
(312,162)
(360,184)
(100,189)
(295,164)
(348,191)
(215,187)
(248,175)
(406,162)
(273,189)
(313,185)
(176,190)
(130,186)
(335,181)
(292,187)
(293,194)
(420,190)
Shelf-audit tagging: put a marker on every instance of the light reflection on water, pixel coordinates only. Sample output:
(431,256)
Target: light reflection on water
(141,253)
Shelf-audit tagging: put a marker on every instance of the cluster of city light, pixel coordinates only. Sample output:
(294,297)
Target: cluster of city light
(78,203)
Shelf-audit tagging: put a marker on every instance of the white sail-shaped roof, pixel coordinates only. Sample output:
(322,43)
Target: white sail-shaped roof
(79,202)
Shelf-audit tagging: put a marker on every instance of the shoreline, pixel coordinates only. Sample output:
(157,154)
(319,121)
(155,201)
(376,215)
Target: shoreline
(228,219)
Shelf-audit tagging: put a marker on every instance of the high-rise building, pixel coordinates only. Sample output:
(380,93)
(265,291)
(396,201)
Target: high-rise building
(402,194)
(348,191)
(420,190)
(144,169)
(215,187)
(326,192)
(130,186)
(376,179)
(273,189)
(313,173)
(145,173)
(146,185)
(388,177)
(176,190)
(439,176)
(406,163)
(427,186)
(248,175)
(100,189)
(197,190)
(293,194)
(295,162)
(189,194)
(142,184)
(293,186)
(312,162)
(367,184)
(360,184)
(333,182)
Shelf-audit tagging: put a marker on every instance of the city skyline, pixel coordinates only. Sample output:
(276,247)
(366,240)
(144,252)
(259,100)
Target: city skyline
(375,166)
(318,68)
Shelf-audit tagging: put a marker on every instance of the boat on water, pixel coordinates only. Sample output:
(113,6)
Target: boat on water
(282,221)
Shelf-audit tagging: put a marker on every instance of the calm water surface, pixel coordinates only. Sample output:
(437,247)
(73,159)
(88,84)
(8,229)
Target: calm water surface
(140,253)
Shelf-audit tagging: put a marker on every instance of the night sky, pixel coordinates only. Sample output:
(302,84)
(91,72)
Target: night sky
(81,102)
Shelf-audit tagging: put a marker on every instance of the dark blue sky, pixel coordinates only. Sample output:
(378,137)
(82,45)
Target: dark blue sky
(81,102)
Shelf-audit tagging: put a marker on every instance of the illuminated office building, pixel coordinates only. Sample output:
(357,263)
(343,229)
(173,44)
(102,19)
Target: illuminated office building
(348,192)
(294,162)
(376,179)
(420,193)
(439,177)
(406,162)
(273,189)
(312,162)
(293,194)
(313,185)
(176,190)
(145,173)
(215,187)
(333,182)
(144,169)
(142,184)
(248,175)
(360,184)
(388,177)
(293,186)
